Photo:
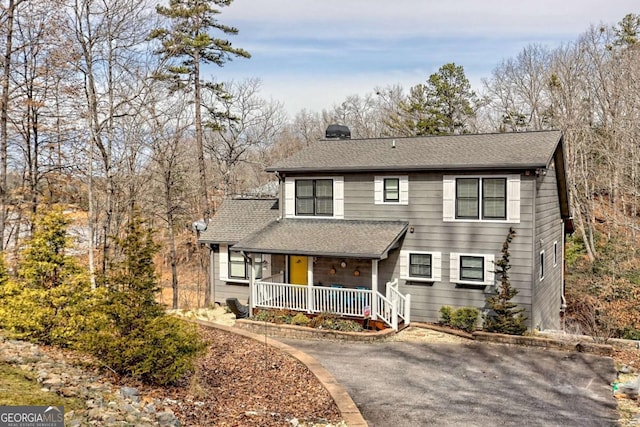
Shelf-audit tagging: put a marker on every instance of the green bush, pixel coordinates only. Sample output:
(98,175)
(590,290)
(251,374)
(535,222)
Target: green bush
(445,315)
(300,319)
(630,333)
(161,352)
(465,318)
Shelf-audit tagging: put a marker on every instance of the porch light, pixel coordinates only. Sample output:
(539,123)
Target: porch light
(332,271)
(356,272)
(343,264)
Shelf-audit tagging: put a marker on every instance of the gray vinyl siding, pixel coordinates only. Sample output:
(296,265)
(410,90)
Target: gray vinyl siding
(223,289)
(424,213)
(547,293)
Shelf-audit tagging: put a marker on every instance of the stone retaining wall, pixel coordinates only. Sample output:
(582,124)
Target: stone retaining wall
(306,333)
(558,344)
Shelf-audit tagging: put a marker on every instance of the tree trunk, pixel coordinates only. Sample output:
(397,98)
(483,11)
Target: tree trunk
(4,118)
(204,192)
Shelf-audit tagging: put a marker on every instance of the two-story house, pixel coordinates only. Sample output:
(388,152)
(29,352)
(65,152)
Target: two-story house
(395,228)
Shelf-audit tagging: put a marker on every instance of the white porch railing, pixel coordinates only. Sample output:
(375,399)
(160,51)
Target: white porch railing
(340,301)
(402,302)
(344,302)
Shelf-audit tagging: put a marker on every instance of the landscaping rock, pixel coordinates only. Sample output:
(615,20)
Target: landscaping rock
(59,376)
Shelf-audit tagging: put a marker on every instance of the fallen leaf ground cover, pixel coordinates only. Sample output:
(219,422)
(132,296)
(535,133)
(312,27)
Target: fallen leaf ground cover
(242,382)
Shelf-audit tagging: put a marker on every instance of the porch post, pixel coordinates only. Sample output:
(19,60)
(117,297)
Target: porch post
(310,306)
(374,289)
(252,287)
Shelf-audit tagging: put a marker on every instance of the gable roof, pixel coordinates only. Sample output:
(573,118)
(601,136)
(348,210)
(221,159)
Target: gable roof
(326,237)
(521,150)
(238,218)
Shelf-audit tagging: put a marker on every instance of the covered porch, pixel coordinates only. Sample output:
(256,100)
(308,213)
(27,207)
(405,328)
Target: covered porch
(331,266)
(392,308)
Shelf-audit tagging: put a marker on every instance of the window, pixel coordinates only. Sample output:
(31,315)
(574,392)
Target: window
(391,190)
(555,253)
(486,198)
(420,266)
(541,265)
(493,196)
(472,269)
(467,197)
(314,197)
(240,267)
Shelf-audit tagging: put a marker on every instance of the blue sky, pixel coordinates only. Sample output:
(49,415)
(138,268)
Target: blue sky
(312,54)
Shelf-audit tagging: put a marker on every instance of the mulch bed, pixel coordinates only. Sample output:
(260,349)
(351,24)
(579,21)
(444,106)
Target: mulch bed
(242,382)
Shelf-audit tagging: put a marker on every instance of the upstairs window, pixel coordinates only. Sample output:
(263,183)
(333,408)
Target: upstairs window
(489,198)
(314,197)
(391,190)
(481,198)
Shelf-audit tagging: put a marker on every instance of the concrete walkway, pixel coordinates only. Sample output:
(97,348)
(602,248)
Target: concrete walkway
(418,384)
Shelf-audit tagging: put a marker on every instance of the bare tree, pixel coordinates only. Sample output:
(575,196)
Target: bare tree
(241,125)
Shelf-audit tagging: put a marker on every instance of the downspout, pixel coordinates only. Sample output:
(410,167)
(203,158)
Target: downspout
(252,278)
(212,280)
(563,299)
(534,256)
(281,178)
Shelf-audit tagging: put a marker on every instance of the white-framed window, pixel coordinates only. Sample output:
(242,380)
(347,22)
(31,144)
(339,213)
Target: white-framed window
(314,197)
(541,265)
(391,190)
(318,197)
(240,267)
(481,198)
(555,253)
(420,266)
(233,267)
(472,269)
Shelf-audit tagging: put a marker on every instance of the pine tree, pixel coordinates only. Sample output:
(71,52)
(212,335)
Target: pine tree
(185,46)
(133,282)
(44,262)
(505,317)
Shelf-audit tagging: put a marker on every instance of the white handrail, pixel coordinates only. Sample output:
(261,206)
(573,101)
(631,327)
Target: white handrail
(340,301)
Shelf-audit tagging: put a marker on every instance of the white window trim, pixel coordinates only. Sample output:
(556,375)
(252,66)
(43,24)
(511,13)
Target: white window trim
(223,266)
(449,198)
(378,189)
(541,265)
(290,197)
(489,269)
(436,266)
(555,253)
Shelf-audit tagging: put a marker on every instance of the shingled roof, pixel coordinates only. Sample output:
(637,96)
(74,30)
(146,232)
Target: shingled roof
(238,218)
(521,150)
(326,237)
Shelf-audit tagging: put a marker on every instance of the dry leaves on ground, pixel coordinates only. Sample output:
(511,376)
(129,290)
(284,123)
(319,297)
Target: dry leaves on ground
(242,382)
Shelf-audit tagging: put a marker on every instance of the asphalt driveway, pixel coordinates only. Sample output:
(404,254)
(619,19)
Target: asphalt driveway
(419,384)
